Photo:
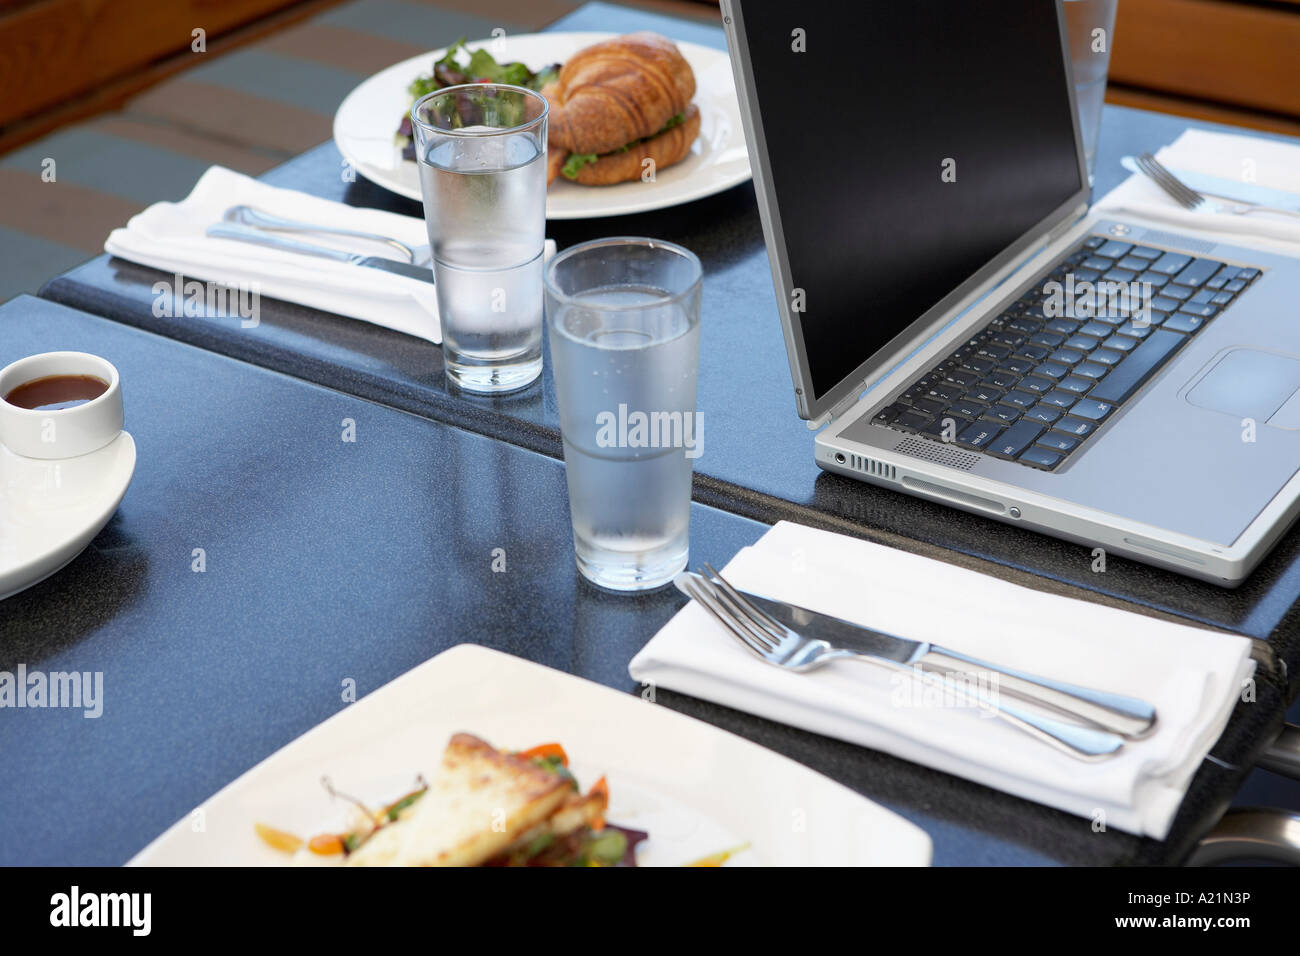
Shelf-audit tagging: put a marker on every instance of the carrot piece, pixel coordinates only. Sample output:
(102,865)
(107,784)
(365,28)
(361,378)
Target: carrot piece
(326,844)
(545,750)
(600,789)
(278,839)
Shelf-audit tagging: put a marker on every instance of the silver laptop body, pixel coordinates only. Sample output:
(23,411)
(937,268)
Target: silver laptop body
(1196,472)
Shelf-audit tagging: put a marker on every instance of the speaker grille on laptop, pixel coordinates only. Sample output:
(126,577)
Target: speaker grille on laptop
(1181,242)
(937,453)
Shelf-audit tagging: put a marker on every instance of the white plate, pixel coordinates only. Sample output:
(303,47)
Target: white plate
(50,510)
(366,123)
(696,789)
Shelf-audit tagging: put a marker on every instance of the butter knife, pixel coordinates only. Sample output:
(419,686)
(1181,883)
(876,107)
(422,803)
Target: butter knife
(224,230)
(1129,716)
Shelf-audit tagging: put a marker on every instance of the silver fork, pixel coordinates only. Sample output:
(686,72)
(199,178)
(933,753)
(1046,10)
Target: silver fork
(248,216)
(1189,198)
(782,647)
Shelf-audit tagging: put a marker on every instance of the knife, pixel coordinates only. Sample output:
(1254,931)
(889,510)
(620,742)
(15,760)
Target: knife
(225,230)
(1231,190)
(1126,715)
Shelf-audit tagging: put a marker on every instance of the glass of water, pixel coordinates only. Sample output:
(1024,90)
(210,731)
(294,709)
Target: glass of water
(624,321)
(481,150)
(1091,25)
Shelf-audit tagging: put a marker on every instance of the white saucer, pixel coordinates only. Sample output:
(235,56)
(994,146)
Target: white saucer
(51,509)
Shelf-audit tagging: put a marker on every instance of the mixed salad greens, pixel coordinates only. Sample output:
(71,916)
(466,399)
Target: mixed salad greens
(460,65)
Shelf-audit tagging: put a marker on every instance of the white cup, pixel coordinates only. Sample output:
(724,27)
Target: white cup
(60,432)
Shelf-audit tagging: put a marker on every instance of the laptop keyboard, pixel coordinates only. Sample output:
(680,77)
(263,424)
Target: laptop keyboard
(1037,382)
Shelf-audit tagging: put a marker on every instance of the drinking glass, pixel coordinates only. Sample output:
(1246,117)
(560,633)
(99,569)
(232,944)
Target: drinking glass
(1091,26)
(624,321)
(481,151)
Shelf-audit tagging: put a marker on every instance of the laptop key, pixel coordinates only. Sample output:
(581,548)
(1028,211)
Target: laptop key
(1182,322)
(1247,274)
(1178,292)
(913,421)
(1119,275)
(1098,330)
(1035,352)
(1059,441)
(979,435)
(967,409)
(1096,262)
(1037,384)
(1200,311)
(1222,298)
(1062,326)
(1018,366)
(1092,242)
(888,414)
(927,406)
(1015,439)
(1146,252)
(1114,249)
(1046,414)
(981,365)
(1106,356)
(1091,409)
(984,394)
(945,392)
(1002,413)
(1047,339)
(1000,379)
(1060,399)
(1020,399)
(1065,357)
(1236,285)
(945,428)
(1142,363)
(962,376)
(1084,343)
(1197,272)
(1153,279)
(1041,457)
(1090,369)
(1079,427)
(1171,263)
(1130,261)
(1121,343)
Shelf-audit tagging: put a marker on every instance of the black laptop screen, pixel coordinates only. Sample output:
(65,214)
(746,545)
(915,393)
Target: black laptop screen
(909,143)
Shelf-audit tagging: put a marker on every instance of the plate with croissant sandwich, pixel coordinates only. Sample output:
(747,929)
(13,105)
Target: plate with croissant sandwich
(637,121)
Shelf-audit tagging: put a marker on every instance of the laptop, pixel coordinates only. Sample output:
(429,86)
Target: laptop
(961,328)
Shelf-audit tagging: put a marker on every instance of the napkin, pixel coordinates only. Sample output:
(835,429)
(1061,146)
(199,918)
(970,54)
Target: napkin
(1192,676)
(1231,156)
(170,236)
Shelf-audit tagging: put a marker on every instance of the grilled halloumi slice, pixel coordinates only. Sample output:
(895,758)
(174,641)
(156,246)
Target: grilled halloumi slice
(480,802)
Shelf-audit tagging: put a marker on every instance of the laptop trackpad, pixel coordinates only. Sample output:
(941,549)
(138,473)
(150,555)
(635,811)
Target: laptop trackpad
(1250,383)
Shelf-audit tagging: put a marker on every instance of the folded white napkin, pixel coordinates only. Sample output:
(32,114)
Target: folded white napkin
(1192,676)
(1265,162)
(171,237)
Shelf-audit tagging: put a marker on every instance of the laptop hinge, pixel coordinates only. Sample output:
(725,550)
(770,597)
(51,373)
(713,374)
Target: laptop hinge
(839,409)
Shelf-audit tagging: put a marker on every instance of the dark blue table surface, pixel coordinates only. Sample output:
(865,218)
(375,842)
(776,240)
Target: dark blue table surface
(328,560)
(757,464)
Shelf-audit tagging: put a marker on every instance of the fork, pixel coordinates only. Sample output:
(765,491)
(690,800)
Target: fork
(248,216)
(1189,198)
(782,647)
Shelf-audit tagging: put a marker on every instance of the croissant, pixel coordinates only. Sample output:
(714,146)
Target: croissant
(665,150)
(618,91)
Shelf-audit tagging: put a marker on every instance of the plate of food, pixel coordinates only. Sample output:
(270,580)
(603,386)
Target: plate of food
(476,757)
(637,122)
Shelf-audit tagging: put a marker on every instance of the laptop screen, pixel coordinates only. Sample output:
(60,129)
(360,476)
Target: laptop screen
(909,143)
